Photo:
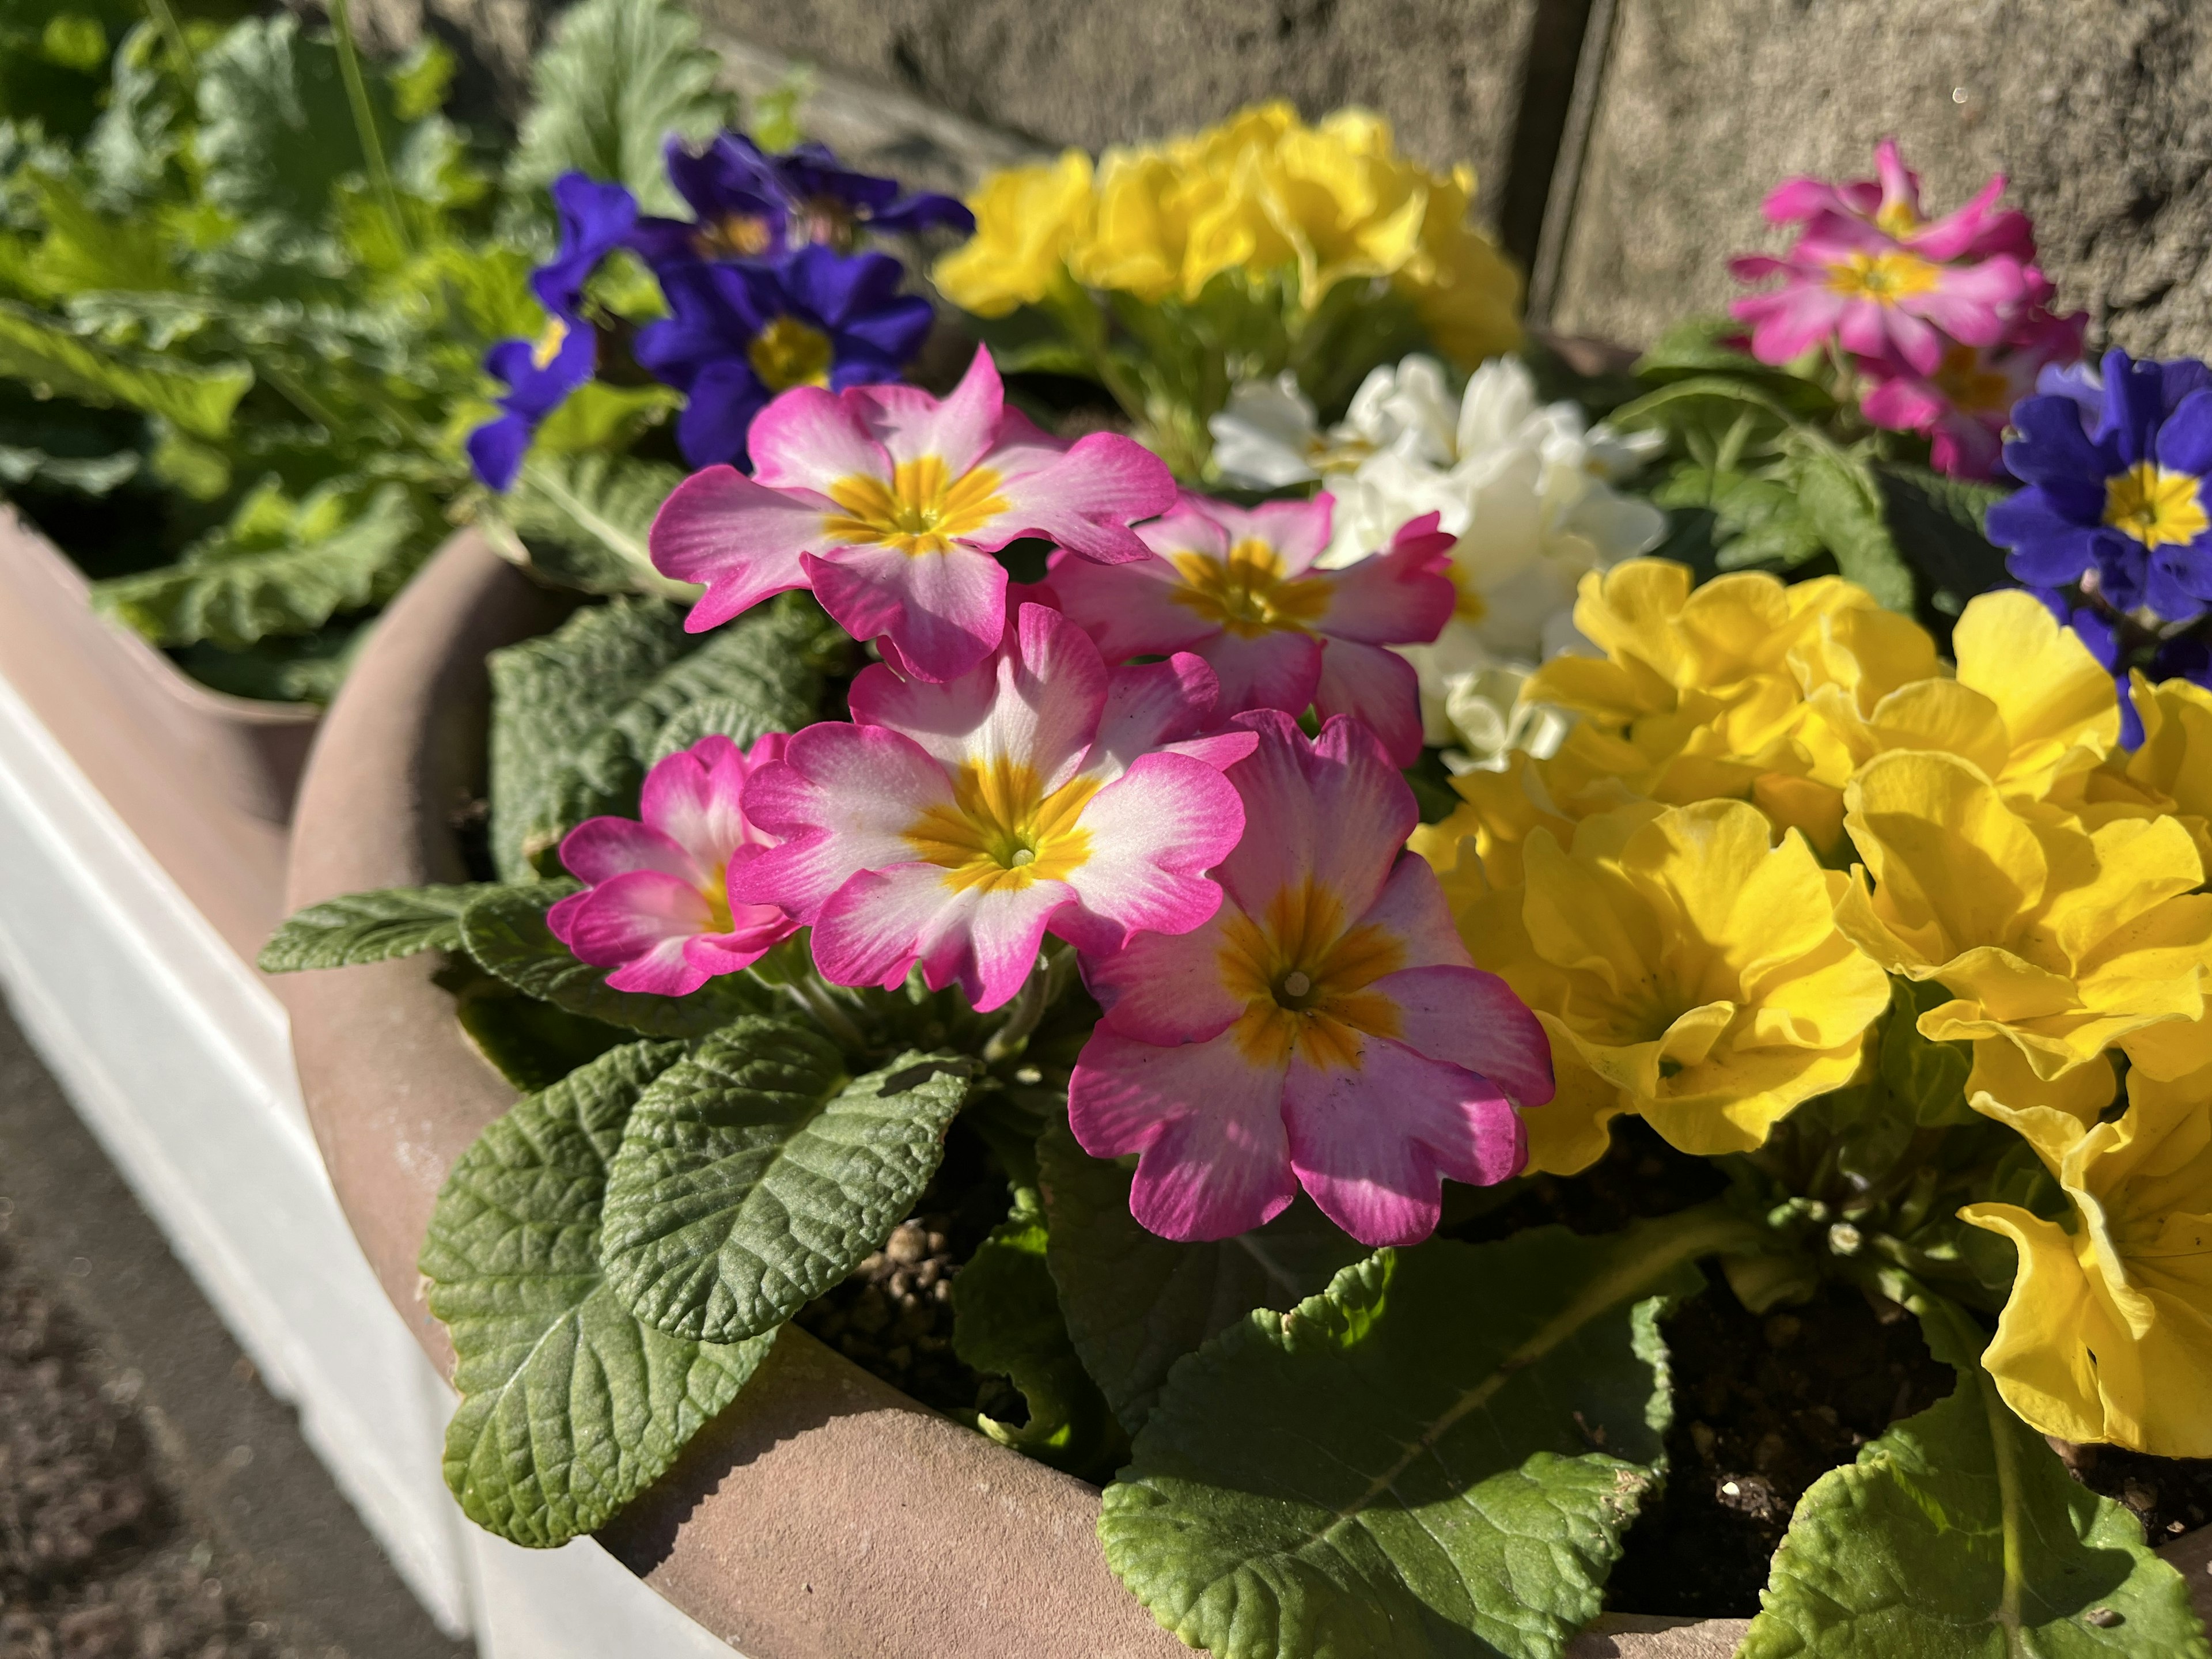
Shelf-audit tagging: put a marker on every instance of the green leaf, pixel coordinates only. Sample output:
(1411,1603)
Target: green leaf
(1929,1077)
(616,79)
(532,1044)
(277,133)
(1840,496)
(374,927)
(1408,1465)
(232,589)
(756,1175)
(569,1408)
(597,416)
(1759,521)
(549,695)
(583,520)
(1006,1320)
(1958,1534)
(1936,523)
(504,932)
(49,358)
(1137,1303)
(94,475)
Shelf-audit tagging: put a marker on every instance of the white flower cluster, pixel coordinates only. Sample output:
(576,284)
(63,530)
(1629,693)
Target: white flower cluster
(1526,489)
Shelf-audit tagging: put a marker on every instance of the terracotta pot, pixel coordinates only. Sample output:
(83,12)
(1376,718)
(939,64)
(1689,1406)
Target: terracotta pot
(825,1514)
(204,780)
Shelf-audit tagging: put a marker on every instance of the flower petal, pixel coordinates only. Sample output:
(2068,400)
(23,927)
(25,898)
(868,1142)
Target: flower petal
(959,429)
(1167,987)
(637,923)
(743,541)
(843,797)
(1380,686)
(1472,1020)
(1153,833)
(944,611)
(1086,499)
(808,438)
(1334,811)
(599,850)
(881,922)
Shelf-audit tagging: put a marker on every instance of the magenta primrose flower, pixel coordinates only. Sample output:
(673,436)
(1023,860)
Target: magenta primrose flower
(1870,271)
(1238,587)
(1324,1029)
(955,824)
(658,909)
(1964,407)
(889,503)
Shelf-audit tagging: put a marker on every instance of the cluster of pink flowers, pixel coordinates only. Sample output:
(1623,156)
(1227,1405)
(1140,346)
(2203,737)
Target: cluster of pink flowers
(1947,319)
(1111,758)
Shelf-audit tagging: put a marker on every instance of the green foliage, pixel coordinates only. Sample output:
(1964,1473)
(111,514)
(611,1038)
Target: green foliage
(47,357)
(757,1173)
(375,927)
(617,79)
(532,1044)
(1136,1302)
(569,1408)
(582,517)
(1929,1079)
(1960,1535)
(1008,1321)
(504,931)
(276,134)
(1437,1456)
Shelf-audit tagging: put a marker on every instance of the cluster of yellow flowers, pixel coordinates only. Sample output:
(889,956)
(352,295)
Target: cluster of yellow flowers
(1262,193)
(1777,797)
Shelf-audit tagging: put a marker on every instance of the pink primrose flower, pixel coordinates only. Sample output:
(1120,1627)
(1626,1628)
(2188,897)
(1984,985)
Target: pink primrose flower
(1324,1029)
(1237,587)
(1890,202)
(1964,407)
(658,911)
(889,502)
(954,824)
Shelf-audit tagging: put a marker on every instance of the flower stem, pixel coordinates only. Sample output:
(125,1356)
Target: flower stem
(165,19)
(364,120)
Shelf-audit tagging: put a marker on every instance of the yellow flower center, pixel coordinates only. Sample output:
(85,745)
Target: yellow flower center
(550,343)
(1248,593)
(1469,606)
(734,236)
(1884,278)
(717,894)
(789,353)
(1002,831)
(922,510)
(1303,979)
(1969,384)
(2156,505)
(1897,219)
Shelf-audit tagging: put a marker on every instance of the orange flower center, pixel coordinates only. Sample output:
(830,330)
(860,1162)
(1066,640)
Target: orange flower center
(1249,593)
(1304,975)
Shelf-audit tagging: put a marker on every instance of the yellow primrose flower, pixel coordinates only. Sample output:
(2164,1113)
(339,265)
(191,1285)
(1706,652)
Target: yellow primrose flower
(1466,293)
(2063,940)
(2029,705)
(2170,773)
(1681,959)
(2107,1335)
(1026,219)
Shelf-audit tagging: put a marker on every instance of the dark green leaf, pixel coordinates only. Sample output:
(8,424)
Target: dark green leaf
(1137,1303)
(1410,1465)
(569,1408)
(1929,1077)
(505,933)
(1840,496)
(374,926)
(1958,1534)
(276,132)
(757,1174)
(1006,1320)
(617,78)
(532,1044)
(94,475)
(1936,523)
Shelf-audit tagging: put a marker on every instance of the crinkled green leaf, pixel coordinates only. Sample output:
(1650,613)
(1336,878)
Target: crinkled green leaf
(1006,1319)
(504,933)
(1958,1534)
(616,80)
(231,590)
(374,927)
(44,355)
(1435,1459)
(583,518)
(1137,1303)
(1840,496)
(94,475)
(276,132)
(549,695)
(758,1173)
(569,1408)
(142,128)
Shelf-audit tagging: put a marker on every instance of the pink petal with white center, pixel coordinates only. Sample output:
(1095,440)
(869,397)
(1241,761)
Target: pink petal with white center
(1188,527)
(743,541)
(808,438)
(1215,1160)
(1472,1020)
(944,611)
(1155,704)
(1086,499)
(1035,702)
(1335,811)
(1395,597)
(1154,832)
(1374,1142)
(637,924)
(1130,610)
(756,930)
(1167,988)
(958,430)
(1411,908)
(1263,670)
(880,923)
(599,850)
(842,798)
(1375,685)
(693,797)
